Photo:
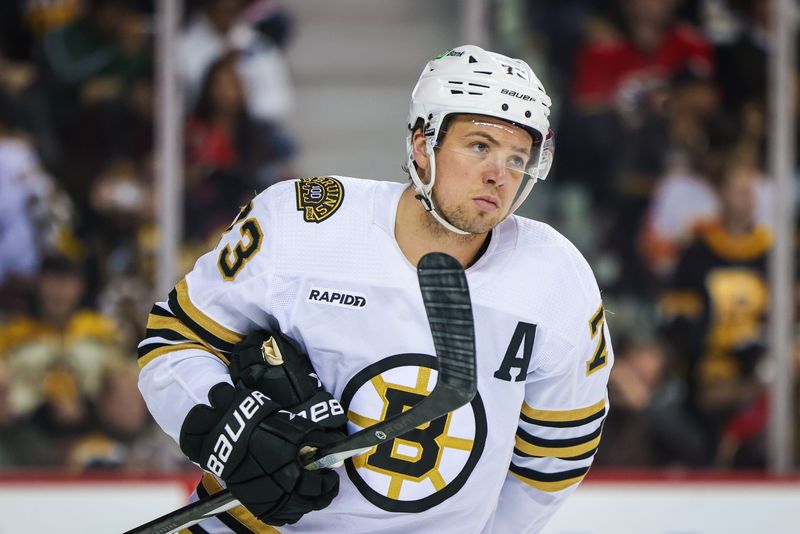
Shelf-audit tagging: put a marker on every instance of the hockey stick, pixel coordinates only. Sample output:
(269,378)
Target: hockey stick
(445,294)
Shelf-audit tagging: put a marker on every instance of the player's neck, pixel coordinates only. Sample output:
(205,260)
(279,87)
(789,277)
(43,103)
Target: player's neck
(417,234)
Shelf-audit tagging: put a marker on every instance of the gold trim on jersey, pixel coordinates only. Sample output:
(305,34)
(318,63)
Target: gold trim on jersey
(549,482)
(203,320)
(165,349)
(565,449)
(576,417)
(241,514)
(162,324)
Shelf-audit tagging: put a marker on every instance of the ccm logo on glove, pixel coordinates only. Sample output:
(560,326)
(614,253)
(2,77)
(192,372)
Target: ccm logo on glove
(224,444)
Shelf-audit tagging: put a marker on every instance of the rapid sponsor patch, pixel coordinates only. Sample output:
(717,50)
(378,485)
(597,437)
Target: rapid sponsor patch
(319,197)
(336,297)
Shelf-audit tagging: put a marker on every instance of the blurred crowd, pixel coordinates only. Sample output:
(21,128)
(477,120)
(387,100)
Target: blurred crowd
(78,205)
(660,109)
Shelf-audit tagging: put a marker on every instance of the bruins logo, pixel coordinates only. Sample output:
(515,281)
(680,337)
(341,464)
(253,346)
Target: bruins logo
(428,464)
(319,197)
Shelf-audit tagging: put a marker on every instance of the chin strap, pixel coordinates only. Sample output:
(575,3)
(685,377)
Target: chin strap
(428,205)
(424,196)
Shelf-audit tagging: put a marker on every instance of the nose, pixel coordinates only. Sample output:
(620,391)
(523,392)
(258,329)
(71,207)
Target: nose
(494,172)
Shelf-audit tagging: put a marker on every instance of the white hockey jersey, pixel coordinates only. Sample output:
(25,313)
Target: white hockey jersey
(317,260)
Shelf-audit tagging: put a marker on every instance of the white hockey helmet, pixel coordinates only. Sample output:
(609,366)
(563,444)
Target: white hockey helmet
(471,80)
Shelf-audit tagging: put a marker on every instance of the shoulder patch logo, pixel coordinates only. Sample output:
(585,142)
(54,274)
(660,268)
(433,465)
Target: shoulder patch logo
(319,197)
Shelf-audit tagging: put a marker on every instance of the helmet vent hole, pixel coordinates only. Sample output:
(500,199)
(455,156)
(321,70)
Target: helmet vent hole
(455,82)
(472,59)
(527,114)
(474,93)
(456,92)
(504,107)
(478,85)
(482,72)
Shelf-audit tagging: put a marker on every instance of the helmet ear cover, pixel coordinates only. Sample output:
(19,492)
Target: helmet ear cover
(441,132)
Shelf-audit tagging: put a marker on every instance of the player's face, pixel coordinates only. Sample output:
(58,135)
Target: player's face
(480,165)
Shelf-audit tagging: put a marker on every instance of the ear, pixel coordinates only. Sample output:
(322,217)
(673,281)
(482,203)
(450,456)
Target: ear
(420,154)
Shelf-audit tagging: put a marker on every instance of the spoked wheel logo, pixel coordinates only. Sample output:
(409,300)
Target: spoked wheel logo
(424,466)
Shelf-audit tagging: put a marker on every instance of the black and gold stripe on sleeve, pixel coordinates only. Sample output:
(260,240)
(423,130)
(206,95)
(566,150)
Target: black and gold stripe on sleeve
(563,418)
(210,331)
(186,328)
(238,519)
(549,482)
(162,325)
(566,449)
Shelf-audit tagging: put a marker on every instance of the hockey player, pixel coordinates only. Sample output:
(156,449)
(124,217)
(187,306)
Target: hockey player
(329,263)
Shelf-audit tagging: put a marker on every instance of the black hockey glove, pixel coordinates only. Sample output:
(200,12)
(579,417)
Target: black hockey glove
(249,442)
(270,364)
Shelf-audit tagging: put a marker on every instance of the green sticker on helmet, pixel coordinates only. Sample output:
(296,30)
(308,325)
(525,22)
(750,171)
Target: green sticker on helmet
(449,53)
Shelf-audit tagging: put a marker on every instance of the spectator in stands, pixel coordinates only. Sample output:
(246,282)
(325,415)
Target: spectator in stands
(124,436)
(702,136)
(618,120)
(271,19)
(63,414)
(20,444)
(715,306)
(220,28)
(649,425)
(122,201)
(36,217)
(637,377)
(742,64)
(226,151)
(19,253)
(214,130)
(559,28)
(620,78)
(23,23)
(58,330)
(93,57)
(684,197)
(125,298)
(651,47)
(87,67)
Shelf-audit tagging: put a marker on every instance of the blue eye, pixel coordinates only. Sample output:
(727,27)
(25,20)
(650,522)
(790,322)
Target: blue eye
(517,162)
(480,147)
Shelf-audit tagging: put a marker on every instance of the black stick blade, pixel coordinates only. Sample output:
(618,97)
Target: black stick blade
(445,293)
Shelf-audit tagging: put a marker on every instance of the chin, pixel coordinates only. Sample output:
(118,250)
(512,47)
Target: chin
(480,226)
(477,223)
